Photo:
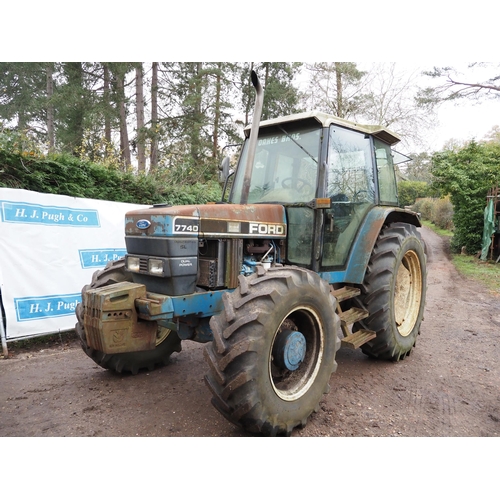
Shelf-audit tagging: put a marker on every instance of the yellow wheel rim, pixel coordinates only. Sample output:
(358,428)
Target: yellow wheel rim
(408,293)
(161,334)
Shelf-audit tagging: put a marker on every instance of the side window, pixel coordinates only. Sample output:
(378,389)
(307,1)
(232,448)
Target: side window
(351,189)
(386,174)
(350,173)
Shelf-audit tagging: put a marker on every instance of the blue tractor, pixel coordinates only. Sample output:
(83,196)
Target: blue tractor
(310,252)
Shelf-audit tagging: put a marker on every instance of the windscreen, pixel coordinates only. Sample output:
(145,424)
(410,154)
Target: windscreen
(285,168)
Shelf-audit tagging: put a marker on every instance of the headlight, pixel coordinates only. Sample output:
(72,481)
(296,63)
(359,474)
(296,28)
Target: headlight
(155,266)
(133,264)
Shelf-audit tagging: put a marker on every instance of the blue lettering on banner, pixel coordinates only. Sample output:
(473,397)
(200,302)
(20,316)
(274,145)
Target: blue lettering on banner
(48,306)
(30,213)
(100,257)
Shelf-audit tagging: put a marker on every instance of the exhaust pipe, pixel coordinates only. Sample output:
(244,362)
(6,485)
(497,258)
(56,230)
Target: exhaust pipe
(254,133)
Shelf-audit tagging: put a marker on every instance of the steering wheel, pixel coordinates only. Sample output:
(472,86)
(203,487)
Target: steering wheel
(299,188)
(360,196)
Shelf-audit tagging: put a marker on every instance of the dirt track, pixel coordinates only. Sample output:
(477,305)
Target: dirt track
(449,386)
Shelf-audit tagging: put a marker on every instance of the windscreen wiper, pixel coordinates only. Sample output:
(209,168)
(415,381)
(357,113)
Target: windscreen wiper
(301,147)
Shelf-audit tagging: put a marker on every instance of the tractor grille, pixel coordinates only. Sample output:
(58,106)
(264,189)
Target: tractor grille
(143,265)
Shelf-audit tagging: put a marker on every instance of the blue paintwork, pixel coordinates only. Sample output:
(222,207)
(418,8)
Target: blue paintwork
(162,225)
(201,305)
(294,350)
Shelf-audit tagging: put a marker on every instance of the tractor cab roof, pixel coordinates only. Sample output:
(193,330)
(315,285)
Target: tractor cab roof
(326,120)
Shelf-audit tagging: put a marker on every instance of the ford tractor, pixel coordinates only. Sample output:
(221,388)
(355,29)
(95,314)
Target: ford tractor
(309,252)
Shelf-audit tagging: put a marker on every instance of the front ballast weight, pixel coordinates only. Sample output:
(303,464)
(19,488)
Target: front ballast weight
(157,342)
(111,323)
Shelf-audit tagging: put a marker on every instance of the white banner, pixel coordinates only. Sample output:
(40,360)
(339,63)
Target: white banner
(50,245)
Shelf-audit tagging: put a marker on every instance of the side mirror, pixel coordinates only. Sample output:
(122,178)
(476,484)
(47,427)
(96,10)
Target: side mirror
(224,169)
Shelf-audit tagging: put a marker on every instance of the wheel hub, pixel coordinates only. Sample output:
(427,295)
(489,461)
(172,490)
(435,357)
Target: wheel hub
(289,349)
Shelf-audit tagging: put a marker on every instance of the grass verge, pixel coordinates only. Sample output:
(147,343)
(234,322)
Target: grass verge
(437,230)
(487,273)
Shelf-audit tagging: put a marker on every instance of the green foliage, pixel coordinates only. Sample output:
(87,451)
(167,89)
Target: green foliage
(281,97)
(424,207)
(67,175)
(466,175)
(192,194)
(437,211)
(409,191)
(23,94)
(442,213)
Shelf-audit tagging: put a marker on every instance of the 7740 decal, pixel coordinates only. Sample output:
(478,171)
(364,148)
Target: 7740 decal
(182,225)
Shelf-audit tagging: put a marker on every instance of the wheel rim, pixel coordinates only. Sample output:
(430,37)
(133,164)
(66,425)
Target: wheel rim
(408,293)
(161,334)
(303,352)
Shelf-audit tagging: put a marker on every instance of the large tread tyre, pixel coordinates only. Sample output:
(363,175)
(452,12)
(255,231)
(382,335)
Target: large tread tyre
(251,385)
(167,340)
(394,292)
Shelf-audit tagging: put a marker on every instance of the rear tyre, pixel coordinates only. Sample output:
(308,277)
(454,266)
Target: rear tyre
(167,341)
(393,292)
(273,350)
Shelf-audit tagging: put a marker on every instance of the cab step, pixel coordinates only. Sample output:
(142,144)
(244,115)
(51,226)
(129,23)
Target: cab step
(351,316)
(355,340)
(347,292)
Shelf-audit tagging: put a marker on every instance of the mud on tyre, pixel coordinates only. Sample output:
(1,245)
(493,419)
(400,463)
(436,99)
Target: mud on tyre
(273,350)
(167,341)
(393,292)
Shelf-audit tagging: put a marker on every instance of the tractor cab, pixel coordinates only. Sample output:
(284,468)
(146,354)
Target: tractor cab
(313,160)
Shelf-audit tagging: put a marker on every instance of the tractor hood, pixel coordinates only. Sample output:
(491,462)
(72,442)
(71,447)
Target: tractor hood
(208,221)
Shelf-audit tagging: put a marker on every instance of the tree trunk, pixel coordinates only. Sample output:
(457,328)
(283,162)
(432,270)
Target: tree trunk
(338,74)
(154,117)
(139,104)
(217,111)
(74,72)
(107,119)
(50,107)
(196,89)
(124,144)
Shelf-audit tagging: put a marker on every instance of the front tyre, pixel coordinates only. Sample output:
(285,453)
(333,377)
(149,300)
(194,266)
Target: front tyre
(394,291)
(167,341)
(273,350)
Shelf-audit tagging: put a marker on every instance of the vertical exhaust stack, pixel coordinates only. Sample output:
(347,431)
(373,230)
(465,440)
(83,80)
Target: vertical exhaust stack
(254,133)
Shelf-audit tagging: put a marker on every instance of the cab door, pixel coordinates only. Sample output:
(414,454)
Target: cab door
(350,186)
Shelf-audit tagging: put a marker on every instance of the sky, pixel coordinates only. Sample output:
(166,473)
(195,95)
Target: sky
(465,121)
